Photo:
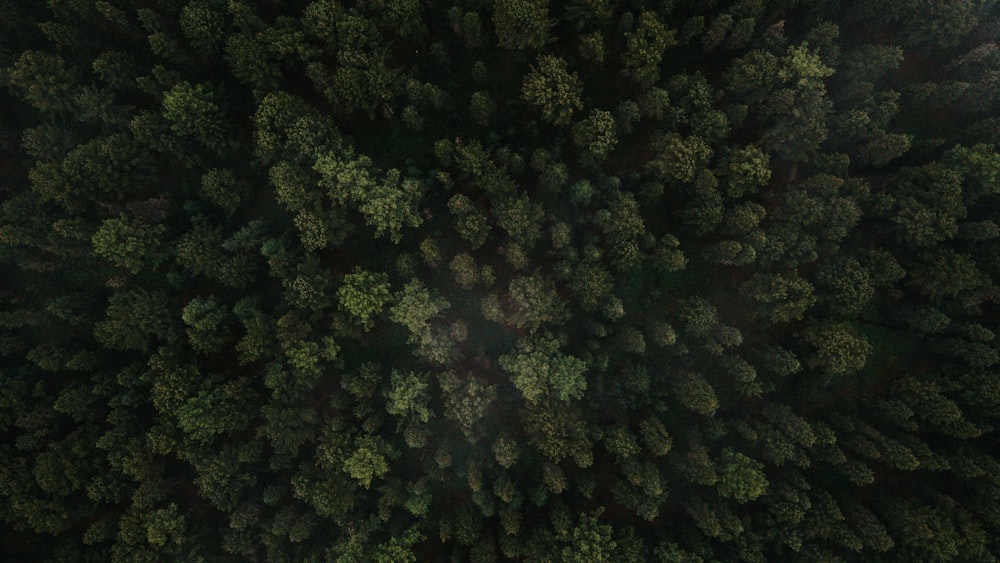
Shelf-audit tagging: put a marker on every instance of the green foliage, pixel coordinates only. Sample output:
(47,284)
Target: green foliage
(655,437)
(45,80)
(367,460)
(590,541)
(746,170)
(202,23)
(215,411)
(554,90)
(678,158)
(408,396)
(521,24)
(694,393)
(535,302)
(363,295)
(839,349)
(645,47)
(220,187)
(596,133)
(133,319)
(470,222)
(415,306)
(193,113)
(741,478)
(780,298)
(538,369)
(557,431)
(205,321)
(130,245)
(387,205)
(392,205)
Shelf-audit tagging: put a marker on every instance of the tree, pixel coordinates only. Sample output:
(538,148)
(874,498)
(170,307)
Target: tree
(467,401)
(45,80)
(217,410)
(644,49)
(464,270)
(520,217)
(556,430)
(407,396)
(590,541)
(930,205)
(363,295)
(414,307)
(130,245)
(470,222)
(482,107)
(206,324)
(780,298)
(940,23)
(846,285)
(392,205)
(522,24)
(596,133)
(741,478)
(678,158)
(165,524)
(202,251)
(655,437)
(592,47)
(979,165)
(203,23)
(367,461)
(535,301)
(221,188)
(943,273)
(193,113)
(554,90)
(755,75)
(731,253)
(745,171)
(839,349)
(538,369)
(388,204)
(624,227)
(694,393)
(287,127)
(134,320)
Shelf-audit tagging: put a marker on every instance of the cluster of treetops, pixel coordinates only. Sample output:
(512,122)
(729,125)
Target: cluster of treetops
(475,280)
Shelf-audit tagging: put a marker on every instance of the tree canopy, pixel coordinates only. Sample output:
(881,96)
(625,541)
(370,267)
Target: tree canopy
(454,280)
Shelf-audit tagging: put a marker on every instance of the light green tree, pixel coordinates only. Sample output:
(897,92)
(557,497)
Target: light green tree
(741,478)
(644,49)
(535,302)
(363,295)
(193,113)
(780,297)
(130,245)
(408,396)
(368,461)
(554,90)
(839,349)
(522,24)
(590,542)
(678,158)
(538,369)
(414,307)
(206,324)
(596,133)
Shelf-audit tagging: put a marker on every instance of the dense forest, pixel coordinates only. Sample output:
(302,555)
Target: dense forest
(483,280)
